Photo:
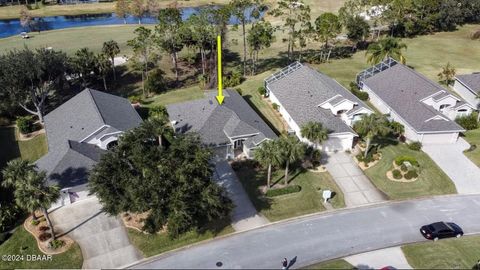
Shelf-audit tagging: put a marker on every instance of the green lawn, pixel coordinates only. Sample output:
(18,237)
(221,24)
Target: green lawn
(473,137)
(334,264)
(23,243)
(11,148)
(431,181)
(308,200)
(445,254)
(152,244)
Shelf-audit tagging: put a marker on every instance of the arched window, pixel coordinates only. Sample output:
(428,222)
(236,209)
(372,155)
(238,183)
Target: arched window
(111,145)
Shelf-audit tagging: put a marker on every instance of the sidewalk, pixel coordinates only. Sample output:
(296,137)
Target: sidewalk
(379,259)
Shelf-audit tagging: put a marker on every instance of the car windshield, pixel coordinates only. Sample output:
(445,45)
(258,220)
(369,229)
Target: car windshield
(431,228)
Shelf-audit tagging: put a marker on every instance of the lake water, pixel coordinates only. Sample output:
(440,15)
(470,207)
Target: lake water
(13,27)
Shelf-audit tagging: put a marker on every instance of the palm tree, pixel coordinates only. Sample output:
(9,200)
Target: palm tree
(371,126)
(31,191)
(16,170)
(290,150)
(314,132)
(385,48)
(110,49)
(267,155)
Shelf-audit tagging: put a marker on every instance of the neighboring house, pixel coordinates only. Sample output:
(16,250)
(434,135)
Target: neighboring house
(234,125)
(468,87)
(426,109)
(303,95)
(78,133)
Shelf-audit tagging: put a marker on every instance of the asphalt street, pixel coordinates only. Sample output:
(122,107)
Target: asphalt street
(326,236)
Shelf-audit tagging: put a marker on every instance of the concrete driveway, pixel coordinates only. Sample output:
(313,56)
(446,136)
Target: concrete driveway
(244,216)
(463,172)
(356,187)
(325,236)
(102,239)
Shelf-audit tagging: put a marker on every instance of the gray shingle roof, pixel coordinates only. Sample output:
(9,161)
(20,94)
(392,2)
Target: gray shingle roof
(303,89)
(216,123)
(402,89)
(472,81)
(68,159)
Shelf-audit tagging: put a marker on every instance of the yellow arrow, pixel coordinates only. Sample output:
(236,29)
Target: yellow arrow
(220,96)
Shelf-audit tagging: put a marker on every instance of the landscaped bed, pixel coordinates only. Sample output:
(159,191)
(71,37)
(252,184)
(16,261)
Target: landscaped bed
(445,254)
(22,243)
(307,200)
(431,179)
(473,137)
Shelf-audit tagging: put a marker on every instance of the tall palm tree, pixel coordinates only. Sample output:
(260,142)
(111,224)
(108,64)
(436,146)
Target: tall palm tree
(267,155)
(290,150)
(385,48)
(371,126)
(14,172)
(110,49)
(31,191)
(314,132)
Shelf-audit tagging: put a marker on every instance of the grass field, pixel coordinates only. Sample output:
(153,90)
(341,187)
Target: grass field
(473,137)
(11,148)
(152,244)
(431,180)
(335,264)
(308,200)
(23,243)
(445,254)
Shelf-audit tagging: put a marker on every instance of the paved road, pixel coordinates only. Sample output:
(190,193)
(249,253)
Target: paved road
(356,187)
(244,216)
(102,238)
(463,172)
(326,236)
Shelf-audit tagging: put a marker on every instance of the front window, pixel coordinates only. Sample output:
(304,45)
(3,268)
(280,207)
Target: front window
(444,106)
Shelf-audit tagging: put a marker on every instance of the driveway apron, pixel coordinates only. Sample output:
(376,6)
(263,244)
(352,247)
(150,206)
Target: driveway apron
(463,172)
(103,239)
(356,187)
(244,216)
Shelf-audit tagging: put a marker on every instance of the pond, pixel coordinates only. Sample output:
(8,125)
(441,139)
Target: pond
(13,27)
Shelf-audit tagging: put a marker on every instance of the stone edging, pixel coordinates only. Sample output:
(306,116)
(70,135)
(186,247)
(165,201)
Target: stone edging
(389,175)
(68,241)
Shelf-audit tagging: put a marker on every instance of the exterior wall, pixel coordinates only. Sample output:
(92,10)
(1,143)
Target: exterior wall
(285,114)
(466,94)
(71,195)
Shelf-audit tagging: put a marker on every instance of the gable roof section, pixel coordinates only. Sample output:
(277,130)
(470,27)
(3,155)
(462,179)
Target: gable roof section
(68,159)
(301,92)
(471,81)
(216,123)
(403,90)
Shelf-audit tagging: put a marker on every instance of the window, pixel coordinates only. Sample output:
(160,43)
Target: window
(462,111)
(444,106)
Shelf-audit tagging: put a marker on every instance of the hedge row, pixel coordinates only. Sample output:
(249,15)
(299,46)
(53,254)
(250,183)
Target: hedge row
(283,191)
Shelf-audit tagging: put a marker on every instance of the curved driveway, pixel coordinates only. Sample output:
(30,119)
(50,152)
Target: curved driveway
(326,236)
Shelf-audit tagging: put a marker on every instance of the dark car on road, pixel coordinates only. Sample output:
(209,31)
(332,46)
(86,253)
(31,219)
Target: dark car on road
(439,230)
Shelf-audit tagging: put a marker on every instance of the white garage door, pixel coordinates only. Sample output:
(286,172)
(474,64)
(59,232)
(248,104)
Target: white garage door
(442,138)
(337,144)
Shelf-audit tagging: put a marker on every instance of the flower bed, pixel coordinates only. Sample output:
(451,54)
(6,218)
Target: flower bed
(42,234)
(405,169)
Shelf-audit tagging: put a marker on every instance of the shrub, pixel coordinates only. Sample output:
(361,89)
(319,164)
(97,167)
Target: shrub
(357,92)
(156,82)
(233,79)
(35,222)
(275,106)
(416,146)
(43,228)
(471,148)
(25,124)
(44,236)
(401,159)
(403,168)
(57,243)
(283,191)
(411,174)
(158,112)
(261,90)
(396,174)
(468,122)
(135,99)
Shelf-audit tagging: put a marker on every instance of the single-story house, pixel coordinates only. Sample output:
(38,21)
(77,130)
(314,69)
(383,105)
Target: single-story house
(306,95)
(78,132)
(425,108)
(468,87)
(231,129)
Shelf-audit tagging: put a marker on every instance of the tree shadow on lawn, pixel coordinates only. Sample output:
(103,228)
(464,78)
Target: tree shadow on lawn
(248,99)
(294,171)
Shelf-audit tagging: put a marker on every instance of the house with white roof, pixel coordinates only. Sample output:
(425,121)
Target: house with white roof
(306,95)
(425,108)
